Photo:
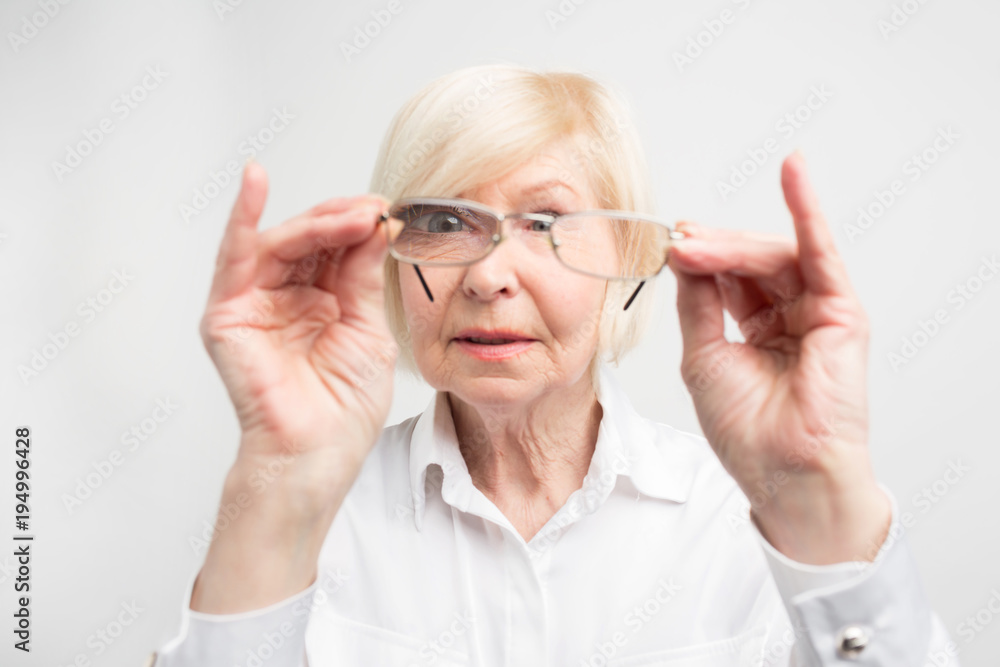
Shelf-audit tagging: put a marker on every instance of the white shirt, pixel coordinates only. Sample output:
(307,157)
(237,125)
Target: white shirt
(654,561)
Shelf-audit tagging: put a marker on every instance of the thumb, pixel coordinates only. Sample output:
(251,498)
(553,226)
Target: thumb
(699,309)
(360,278)
(236,264)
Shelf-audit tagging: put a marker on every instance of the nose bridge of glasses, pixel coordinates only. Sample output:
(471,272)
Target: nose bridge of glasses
(519,219)
(579,239)
(503,224)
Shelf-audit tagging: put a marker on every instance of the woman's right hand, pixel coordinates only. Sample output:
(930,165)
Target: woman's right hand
(296,327)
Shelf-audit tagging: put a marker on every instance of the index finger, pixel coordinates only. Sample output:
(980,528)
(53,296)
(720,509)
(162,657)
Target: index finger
(707,250)
(769,262)
(823,270)
(312,238)
(236,263)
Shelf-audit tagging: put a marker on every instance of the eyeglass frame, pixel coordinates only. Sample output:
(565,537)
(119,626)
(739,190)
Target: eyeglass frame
(672,234)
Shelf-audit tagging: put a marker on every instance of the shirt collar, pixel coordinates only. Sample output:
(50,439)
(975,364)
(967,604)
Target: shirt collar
(650,455)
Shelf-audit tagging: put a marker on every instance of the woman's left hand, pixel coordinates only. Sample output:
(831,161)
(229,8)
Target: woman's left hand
(787,410)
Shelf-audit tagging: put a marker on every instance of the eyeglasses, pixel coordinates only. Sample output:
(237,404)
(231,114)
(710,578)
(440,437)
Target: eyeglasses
(612,245)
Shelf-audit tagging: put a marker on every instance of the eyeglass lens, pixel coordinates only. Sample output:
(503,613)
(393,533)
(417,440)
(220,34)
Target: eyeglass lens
(444,234)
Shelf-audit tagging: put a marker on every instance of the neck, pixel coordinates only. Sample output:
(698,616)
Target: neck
(528,459)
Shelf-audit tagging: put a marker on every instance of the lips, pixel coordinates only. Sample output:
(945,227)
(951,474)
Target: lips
(493,346)
(483,337)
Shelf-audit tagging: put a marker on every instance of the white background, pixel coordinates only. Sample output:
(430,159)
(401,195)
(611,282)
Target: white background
(63,236)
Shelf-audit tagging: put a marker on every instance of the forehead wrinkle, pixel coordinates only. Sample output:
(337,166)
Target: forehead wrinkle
(552,172)
(525,189)
(548,186)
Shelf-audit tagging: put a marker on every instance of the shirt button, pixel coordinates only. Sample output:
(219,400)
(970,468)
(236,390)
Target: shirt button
(851,641)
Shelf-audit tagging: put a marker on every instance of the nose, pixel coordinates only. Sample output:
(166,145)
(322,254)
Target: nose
(495,275)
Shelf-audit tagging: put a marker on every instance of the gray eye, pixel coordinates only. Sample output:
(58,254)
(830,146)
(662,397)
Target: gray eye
(440,222)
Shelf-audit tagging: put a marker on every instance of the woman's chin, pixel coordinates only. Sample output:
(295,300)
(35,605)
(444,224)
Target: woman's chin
(521,379)
(497,389)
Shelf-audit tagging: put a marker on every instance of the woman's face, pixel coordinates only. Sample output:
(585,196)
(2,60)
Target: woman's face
(549,312)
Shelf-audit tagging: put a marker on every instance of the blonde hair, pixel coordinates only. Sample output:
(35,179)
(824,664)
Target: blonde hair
(477,124)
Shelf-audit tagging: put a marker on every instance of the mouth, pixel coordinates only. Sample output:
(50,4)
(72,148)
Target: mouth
(489,341)
(493,345)
(491,337)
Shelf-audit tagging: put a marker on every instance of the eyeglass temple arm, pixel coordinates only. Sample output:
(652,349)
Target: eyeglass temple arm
(632,298)
(674,235)
(384,218)
(423,282)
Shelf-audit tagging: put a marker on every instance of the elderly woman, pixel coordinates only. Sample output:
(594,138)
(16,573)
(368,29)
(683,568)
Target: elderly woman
(530,516)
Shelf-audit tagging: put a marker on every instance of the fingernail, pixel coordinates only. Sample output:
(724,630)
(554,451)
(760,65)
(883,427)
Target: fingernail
(689,229)
(370,210)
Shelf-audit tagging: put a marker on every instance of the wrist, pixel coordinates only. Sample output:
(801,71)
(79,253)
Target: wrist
(266,539)
(822,518)
(293,490)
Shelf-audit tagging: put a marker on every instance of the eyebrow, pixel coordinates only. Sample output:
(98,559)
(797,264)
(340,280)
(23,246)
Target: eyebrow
(531,191)
(550,184)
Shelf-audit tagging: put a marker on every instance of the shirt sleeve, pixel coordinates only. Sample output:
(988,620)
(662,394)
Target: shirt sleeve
(274,635)
(879,605)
